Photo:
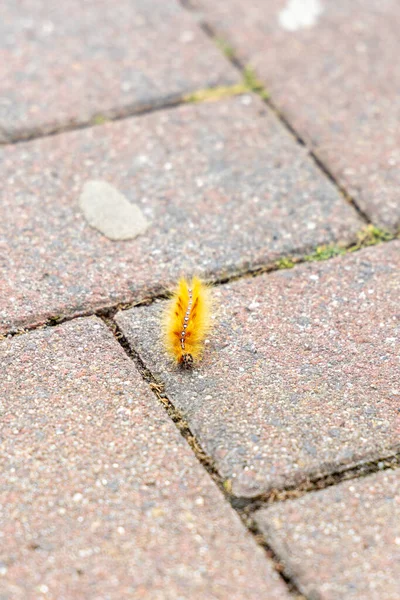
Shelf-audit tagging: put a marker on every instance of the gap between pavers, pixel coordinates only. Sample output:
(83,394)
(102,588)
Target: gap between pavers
(223,186)
(100,494)
(343,542)
(324,74)
(300,376)
(78,63)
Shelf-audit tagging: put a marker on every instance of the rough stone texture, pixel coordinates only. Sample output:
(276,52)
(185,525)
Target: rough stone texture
(108,211)
(223,185)
(301,375)
(64,63)
(342,542)
(334,79)
(101,498)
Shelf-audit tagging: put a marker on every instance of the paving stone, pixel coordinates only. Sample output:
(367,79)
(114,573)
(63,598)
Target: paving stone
(66,63)
(301,373)
(329,68)
(101,498)
(222,184)
(342,542)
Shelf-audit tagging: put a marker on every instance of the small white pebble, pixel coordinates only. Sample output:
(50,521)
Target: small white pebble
(43,589)
(186,37)
(246,100)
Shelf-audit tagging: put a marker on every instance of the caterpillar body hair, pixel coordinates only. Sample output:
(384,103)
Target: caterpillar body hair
(187,321)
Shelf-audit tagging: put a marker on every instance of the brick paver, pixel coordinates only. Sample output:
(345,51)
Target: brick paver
(342,542)
(63,63)
(301,375)
(101,498)
(330,69)
(222,185)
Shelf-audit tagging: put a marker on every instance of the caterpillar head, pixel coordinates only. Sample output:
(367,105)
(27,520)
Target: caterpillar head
(187,361)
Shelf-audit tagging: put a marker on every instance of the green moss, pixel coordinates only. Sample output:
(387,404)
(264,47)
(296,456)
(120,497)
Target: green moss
(99,120)
(250,83)
(227,485)
(325,252)
(285,263)
(216,93)
(370,236)
(224,47)
(253,84)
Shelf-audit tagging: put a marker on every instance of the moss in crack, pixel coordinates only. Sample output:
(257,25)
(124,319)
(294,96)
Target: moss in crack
(286,262)
(370,236)
(225,47)
(99,119)
(216,93)
(253,84)
(250,83)
(325,252)
(227,485)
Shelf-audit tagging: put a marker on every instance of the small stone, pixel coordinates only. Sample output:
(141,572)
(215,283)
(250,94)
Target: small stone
(108,211)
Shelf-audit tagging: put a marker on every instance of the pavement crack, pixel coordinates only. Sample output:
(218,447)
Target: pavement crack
(178,418)
(366,237)
(233,58)
(45,131)
(318,483)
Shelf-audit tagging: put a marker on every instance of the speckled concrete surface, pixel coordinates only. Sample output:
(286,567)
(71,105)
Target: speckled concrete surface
(101,498)
(223,185)
(64,63)
(334,79)
(342,542)
(301,373)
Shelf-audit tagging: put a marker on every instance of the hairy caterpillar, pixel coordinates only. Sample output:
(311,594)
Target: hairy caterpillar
(186,321)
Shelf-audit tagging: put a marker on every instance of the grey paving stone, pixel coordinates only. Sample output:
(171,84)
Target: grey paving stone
(66,63)
(342,542)
(222,184)
(101,498)
(329,68)
(301,373)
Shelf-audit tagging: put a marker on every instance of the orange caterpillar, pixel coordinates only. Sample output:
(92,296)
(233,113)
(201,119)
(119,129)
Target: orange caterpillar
(186,321)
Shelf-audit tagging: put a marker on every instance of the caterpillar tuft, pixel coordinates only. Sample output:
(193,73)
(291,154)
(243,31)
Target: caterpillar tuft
(187,321)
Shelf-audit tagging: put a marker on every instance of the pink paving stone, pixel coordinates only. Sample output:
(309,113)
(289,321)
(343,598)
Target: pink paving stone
(62,63)
(301,374)
(223,186)
(342,542)
(101,498)
(336,81)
